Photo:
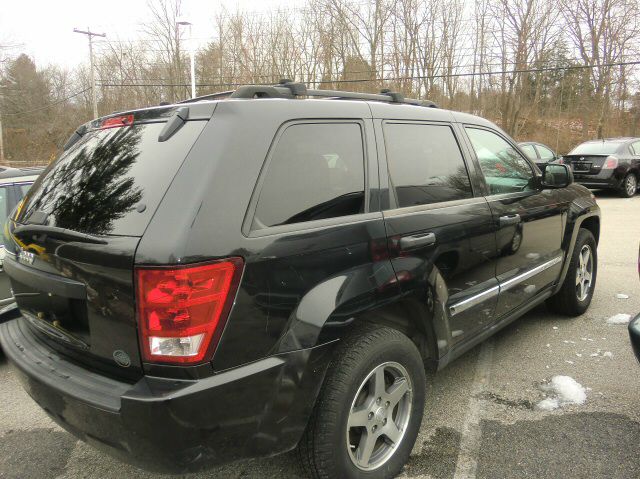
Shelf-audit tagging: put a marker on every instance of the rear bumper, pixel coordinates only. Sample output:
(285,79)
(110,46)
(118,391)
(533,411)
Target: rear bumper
(169,425)
(604,179)
(634,332)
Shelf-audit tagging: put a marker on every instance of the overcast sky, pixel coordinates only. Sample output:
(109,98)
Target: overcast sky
(44,28)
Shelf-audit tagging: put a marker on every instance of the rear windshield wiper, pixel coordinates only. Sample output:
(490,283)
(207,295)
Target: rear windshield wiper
(56,232)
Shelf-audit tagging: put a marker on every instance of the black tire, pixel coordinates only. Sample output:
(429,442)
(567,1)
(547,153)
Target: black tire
(566,301)
(629,186)
(323,449)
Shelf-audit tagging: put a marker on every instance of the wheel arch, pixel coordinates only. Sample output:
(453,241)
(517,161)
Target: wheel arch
(332,310)
(588,219)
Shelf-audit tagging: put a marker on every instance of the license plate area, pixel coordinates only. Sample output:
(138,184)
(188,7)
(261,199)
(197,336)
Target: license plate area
(581,167)
(54,302)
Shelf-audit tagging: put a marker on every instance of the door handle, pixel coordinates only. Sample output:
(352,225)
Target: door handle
(509,220)
(417,240)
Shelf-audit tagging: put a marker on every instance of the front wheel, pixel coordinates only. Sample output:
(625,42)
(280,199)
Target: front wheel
(369,410)
(629,186)
(576,292)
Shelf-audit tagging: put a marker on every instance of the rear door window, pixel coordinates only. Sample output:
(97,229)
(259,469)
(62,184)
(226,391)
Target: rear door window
(425,164)
(315,171)
(111,180)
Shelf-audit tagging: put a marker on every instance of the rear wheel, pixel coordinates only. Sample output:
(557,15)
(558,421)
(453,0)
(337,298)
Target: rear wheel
(369,411)
(629,186)
(576,292)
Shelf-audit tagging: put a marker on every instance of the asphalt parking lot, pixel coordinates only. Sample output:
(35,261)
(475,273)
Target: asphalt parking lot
(481,418)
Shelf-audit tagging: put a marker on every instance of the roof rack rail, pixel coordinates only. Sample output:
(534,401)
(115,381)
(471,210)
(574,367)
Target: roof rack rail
(288,89)
(210,96)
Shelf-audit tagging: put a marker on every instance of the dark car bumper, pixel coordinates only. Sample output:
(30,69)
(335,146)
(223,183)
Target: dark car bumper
(169,425)
(634,332)
(606,179)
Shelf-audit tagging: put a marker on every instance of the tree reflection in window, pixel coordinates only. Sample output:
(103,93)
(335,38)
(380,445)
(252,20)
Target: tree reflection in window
(87,189)
(505,171)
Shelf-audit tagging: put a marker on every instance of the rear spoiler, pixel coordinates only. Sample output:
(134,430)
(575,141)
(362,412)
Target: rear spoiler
(173,115)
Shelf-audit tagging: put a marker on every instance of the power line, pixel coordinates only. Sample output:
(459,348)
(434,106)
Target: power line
(48,105)
(409,77)
(136,80)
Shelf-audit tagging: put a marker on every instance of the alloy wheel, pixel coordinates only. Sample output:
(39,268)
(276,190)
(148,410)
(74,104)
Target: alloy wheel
(584,273)
(379,416)
(631,185)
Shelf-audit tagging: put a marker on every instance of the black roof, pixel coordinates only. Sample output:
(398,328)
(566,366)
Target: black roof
(8,172)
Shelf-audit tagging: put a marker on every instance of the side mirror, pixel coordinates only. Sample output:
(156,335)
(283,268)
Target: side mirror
(556,175)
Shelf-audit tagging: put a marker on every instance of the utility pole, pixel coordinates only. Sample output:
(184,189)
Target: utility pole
(94,95)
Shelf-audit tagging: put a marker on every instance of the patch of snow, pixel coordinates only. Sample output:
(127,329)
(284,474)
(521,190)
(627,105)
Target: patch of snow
(555,327)
(607,354)
(568,342)
(562,391)
(593,355)
(579,355)
(548,404)
(548,345)
(622,296)
(568,362)
(620,318)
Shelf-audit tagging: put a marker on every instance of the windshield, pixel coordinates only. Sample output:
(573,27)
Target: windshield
(110,181)
(596,148)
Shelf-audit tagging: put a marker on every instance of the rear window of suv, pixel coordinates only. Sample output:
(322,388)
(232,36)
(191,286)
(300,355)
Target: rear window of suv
(111,181)
(316,171)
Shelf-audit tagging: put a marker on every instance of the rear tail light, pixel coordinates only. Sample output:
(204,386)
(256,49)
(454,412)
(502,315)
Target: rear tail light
(182,310)
(610,163)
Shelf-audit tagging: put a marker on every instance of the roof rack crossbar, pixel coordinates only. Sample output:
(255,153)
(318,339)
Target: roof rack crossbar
(262,91)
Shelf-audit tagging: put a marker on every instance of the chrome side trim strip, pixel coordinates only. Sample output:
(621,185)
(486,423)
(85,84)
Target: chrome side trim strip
(511,282)
(474,300)
(504,286)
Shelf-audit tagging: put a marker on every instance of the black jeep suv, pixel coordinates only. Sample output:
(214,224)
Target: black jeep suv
(612,163)
(277,267)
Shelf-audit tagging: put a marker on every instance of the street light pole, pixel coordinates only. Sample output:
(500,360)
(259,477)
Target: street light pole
(192,55)
(193,74)
(94,96)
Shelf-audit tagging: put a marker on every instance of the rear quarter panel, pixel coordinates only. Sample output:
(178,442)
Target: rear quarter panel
(295,281)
